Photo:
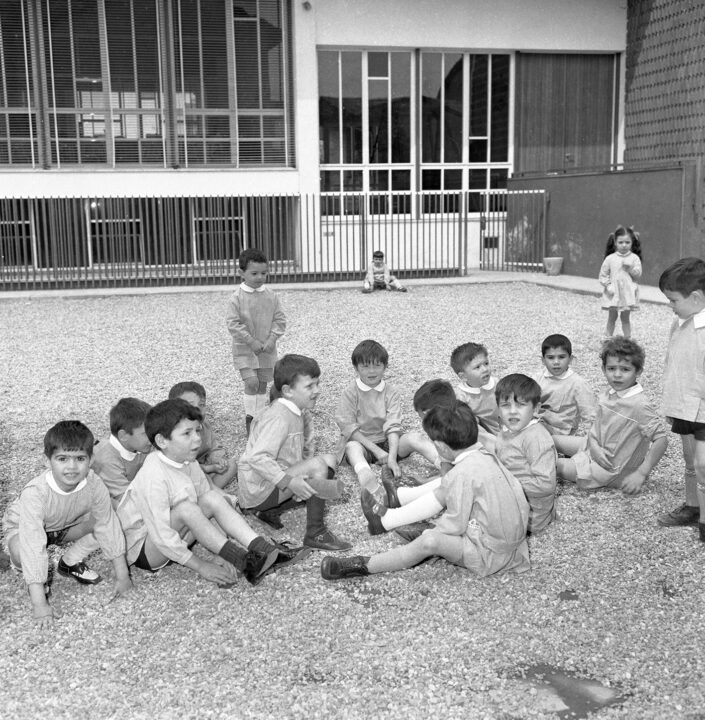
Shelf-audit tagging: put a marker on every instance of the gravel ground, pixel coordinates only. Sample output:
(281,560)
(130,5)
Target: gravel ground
(432,641)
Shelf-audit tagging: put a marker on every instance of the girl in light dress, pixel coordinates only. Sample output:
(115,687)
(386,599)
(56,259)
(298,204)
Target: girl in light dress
(618,275)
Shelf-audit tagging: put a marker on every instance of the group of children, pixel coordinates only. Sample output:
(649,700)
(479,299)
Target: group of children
(497,447)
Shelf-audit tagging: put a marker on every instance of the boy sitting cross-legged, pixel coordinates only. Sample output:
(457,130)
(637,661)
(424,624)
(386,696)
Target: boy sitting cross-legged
(525,447)
(483,527)
(67,503)
(171,503)
(627,438)
(566,398)
(470,362)
(278,467)
(211,457)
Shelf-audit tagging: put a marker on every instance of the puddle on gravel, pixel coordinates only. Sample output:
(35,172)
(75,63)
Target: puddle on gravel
(564,693)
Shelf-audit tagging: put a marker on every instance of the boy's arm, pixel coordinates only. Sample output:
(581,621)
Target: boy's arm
(32,537)
(278,325)
(393,441)
(540,452)
(633,482)
(346,414)
(237,328)
(605,277)
(107,528)
(272,431)
(634,268)
(387,274)
(112,472)
(123,582)
(41,610)
(586,402)
(459,498)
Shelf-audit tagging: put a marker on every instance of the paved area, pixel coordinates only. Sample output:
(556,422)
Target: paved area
(570,283)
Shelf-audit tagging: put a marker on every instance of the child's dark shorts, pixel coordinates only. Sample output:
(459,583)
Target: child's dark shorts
(57,537)
(686,427)
(143,564)
(372,459)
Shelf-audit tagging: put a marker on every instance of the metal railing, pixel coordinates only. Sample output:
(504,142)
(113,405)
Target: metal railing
(85,242)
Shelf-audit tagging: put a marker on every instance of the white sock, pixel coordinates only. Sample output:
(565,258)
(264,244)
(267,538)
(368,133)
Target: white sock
(422,508)
(250,404)
(260,402)
(368,480)
(81,549)
(407,494)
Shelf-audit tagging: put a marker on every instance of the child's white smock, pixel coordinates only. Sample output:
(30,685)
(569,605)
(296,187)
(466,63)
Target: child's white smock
(618,276)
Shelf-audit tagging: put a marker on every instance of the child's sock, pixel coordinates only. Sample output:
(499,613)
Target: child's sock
(368,481)
(422,508)
(234,554)
(250,405)
(81,549)
(407,494)
(260,402)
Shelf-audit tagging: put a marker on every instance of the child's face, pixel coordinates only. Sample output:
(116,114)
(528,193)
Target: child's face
(516,413)
(254,275)
(557,360)
(184,442)
(371,373)
(135,441)
(303,392)
(377,262)
(477,372)
(620,372)
(623,244)
(69,467)
(686,306)
(194,399)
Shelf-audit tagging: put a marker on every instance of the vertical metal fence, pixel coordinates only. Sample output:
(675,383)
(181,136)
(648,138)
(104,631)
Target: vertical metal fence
(138,241)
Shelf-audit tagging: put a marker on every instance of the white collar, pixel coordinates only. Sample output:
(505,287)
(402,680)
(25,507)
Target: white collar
(698,320)
(249,289)
(473,448)
(566,374)
(290,405)
(125,454)
(366,388)
(633,390)
(477,391)
(528,425)
(169,461)
(55,487)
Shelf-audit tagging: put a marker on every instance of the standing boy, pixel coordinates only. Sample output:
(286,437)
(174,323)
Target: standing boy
(278,466)
(66,503)
(256,321)
(566,399)
(683,283)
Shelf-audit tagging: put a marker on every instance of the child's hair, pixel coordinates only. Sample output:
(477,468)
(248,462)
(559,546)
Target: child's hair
(623,348)
(619,232)
(289,367)
(518,387)
(369,351)
(434,393)
(166,415)
(68,435)
(378,254)
(127,414)
(251,255)
(464,354)
(455,426)
(556,341)
(685,276)
(188,386)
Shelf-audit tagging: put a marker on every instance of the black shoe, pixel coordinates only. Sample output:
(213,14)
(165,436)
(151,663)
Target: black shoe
(413,530)
(390,487)
(333,568)
(326,540)
(374,522)
(680,517)
(701,530)
(271,518)
(257,563)
(79,572)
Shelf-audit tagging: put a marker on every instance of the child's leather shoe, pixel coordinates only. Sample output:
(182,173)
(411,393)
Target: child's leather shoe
(374,522)
(257,563)
(390,487)
(333,568)
(80,572)
(680,517)
(326,540)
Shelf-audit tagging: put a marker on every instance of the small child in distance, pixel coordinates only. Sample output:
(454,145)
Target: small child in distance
(379,277)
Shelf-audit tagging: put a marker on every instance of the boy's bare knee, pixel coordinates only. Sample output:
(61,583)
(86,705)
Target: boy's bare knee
(186,510)
(251,385)
(428,542)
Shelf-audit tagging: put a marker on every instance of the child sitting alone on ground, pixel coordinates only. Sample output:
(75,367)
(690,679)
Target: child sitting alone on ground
(211,457)
(256,321)
(379,277)
(566,399)
(627,438)
(66,503)
(483,527)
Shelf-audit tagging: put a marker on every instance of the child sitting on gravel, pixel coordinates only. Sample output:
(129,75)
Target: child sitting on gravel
(483,527)
(379,277)
(566,399)
(471,364)
(66,503)
(627,438)
(278,466)
(211,457)
(171,503)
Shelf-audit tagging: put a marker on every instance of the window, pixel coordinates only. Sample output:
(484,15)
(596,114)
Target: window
(170,83)
(452,144)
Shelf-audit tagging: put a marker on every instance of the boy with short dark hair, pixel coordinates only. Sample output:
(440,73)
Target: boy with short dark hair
(379,277)
(66,503)
(483,527)
(256,321)
(627,438)
(525,447)
(566,399)
(212,456)
(278,466)
(683,283)
(171,503)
